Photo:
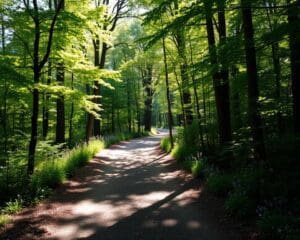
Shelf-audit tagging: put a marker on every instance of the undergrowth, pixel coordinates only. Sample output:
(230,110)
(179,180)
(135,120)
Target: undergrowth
(20,191)
(265,193)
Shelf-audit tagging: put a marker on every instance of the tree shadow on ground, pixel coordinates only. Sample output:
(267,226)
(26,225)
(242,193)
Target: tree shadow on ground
(132,191)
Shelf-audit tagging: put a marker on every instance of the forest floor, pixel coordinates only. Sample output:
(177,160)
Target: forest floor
(131,191)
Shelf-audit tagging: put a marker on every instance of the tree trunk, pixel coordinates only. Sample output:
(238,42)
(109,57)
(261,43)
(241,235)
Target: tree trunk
(255,120)
(60,107)
(294,41)
(37,67)
(199,117)
(71,115)
(34,123)
(46,104)
(170,117)
(147,81)
(236,107)
(225,114)
(276,67)
(181,97)
(97,91)
(220,76)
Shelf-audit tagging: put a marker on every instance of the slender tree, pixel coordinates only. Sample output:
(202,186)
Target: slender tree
(38,65)
(294,41)
(255,120)
(170,116)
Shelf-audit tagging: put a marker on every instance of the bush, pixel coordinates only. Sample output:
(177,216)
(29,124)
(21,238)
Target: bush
(219,184)
(77,159)
(181,151)
(197,168)
(276,226)
(165,144)
(49,174)
(249,180)
(4,219)
(13,206)
(239,204)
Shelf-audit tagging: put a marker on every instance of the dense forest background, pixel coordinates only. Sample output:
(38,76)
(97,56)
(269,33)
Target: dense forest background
(224,73)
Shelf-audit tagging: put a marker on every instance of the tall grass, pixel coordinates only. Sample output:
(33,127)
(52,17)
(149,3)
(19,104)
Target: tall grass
(51,174)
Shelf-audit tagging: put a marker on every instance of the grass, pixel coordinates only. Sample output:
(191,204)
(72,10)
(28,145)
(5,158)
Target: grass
(13,206)
(50,173)
(219,183)
(180,152)
(165,144)
(4,219)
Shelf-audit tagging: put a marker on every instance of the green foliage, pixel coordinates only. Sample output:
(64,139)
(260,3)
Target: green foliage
(77,158)
(249,181)
(49,174)
(219,183)
(4,219)
(240,205)
(197,168)
(13,206)
(182,151)
(276,226)
(165,144)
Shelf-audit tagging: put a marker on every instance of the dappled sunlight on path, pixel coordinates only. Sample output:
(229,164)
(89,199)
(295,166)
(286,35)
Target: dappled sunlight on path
(129,191)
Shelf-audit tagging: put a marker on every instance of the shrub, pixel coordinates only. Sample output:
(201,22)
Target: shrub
(95,146)
(13,206)
(4,219)
(165,144)
(78,158)
(249,180)
(239,204)
(197,168)
(276,226)
(219,184)
(49,174)
(182,151)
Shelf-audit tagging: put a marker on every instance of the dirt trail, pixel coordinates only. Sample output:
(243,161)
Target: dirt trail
(131,191)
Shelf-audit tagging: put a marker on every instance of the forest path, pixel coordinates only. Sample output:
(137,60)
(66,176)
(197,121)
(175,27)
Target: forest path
(131,191)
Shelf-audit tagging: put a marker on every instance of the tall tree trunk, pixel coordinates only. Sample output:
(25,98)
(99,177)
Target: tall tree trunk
(71,115)
(90,125)
(137,104)
(255,120)
(60,107)
(199,117)
(37,67)
(60,102)
(181,97)
(113,125)
(236,107)
(129,119)
(46,104)
(2,34)
(179,37)
(35,98)
(276,67)
(294,41)
(170,116)
(225,118)
(220,75)
(147,81)
(4,117)
(97,90)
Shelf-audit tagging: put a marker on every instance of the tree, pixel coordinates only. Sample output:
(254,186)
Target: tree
(294,41)
(38,65)
(255,120)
